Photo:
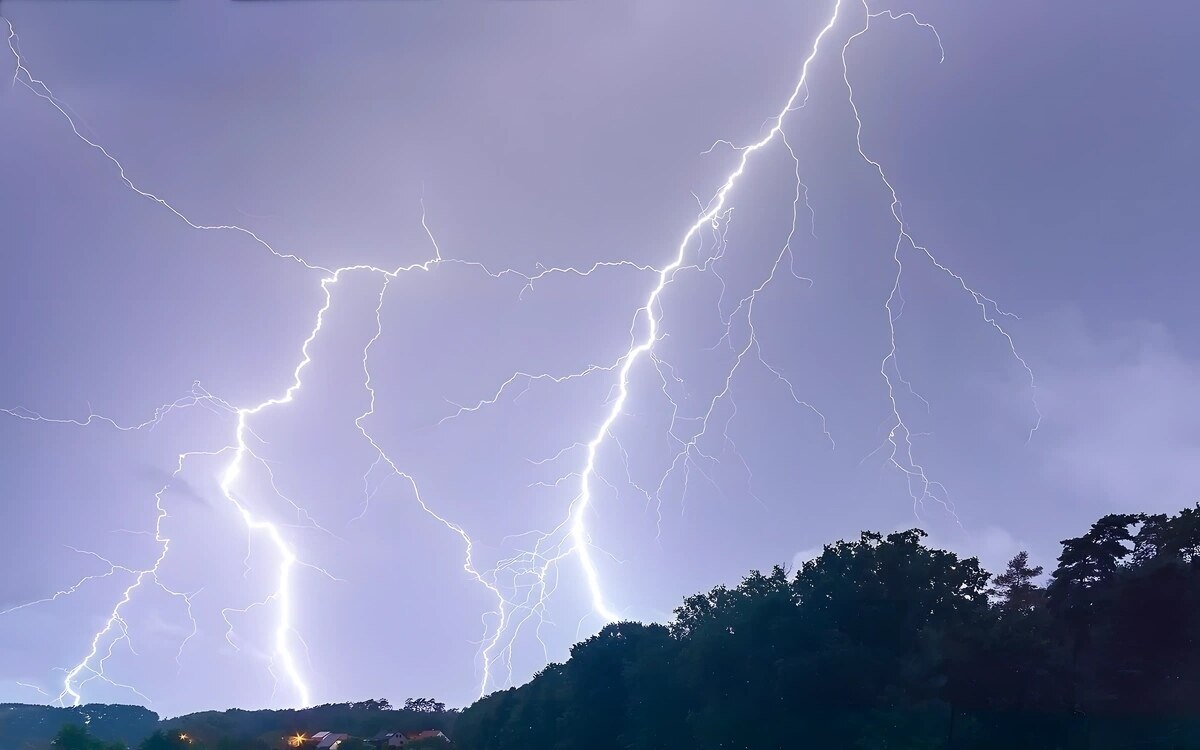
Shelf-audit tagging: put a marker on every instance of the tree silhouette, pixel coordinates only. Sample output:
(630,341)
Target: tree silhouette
(882,642)
(1015,587)
(424,705)
(75,737)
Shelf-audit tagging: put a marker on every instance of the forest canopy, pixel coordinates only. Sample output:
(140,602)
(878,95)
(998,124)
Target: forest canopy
(883,642)
(878,642)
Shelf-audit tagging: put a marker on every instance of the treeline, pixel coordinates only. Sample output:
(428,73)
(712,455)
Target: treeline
(24,726)
(105,727)
(236,729)
(885,643)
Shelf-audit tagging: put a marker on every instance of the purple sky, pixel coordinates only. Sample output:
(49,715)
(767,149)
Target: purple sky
(1048,161)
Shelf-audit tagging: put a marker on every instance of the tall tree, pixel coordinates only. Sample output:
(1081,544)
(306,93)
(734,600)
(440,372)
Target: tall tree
(1086,568)
(1015,587)
(424,705)
(1090,562)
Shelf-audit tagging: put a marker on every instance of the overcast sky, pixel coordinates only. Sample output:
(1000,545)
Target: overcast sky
(1049,161)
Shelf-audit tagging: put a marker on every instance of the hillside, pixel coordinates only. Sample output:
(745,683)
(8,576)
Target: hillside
(32,727)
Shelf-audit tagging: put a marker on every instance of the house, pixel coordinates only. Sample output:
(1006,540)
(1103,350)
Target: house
(386,740)
(428,734)
(327,740)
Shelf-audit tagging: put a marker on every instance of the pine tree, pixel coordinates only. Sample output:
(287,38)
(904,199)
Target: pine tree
(1015,587)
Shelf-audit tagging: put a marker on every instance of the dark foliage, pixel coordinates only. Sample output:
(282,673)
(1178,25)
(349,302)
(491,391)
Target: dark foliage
(75,737)
(23,726)
(254,730)
(424,705)
(161,740)
(885,643)
(114,727)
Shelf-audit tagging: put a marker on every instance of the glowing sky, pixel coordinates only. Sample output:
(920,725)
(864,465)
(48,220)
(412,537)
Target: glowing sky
(1048,161)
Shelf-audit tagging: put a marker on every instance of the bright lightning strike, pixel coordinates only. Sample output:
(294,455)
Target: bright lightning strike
(522,584)
(581,540)
(282,597)
(715,215)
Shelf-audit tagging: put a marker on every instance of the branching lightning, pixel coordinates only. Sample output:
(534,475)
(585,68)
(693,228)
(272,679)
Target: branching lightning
(899,438)
(541,562)
(522,584)
(581,540)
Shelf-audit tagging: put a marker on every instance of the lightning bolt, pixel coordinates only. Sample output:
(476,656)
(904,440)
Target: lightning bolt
(522,584)
(31,686)
(93,663)
(716,215)
(539,566)
(581,539)
(115,629)
(282,597)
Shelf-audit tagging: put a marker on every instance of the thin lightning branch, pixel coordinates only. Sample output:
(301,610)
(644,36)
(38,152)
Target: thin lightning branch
(501,612)
(685,457)
(901,455)
(528,378)
(198,397)
(41,90)
(113,569)
(31,686)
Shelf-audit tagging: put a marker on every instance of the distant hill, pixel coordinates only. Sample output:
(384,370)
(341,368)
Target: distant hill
(31,727)
(26,727)
(361,719)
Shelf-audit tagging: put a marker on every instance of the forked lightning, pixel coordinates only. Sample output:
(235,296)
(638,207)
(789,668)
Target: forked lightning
(523,584)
